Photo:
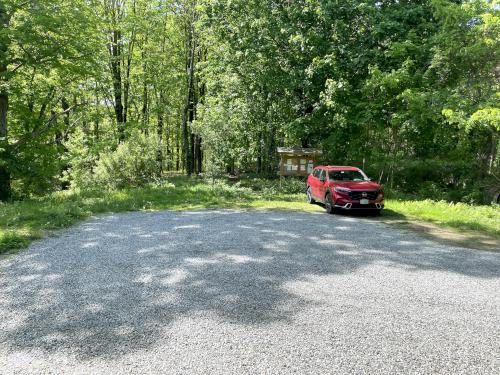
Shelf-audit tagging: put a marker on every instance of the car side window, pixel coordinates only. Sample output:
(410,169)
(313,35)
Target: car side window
(322,174)
(316,173)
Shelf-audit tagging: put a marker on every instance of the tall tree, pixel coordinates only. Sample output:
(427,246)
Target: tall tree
(36,36)
(4,106)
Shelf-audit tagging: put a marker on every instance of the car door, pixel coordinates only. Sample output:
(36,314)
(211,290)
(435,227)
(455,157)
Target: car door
(315,182)
(322,185)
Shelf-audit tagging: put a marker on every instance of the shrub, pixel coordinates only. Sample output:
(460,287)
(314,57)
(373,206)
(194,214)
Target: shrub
(289,185)
(453,180)
(431,190)
(133,163)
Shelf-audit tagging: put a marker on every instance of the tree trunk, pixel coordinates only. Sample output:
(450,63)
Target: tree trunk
(45,103)
(5,190)
(65,108)
(126,90)
(64,137)
(145,105)
(493,151)
(115,52)
(168,150)
(191,152)
(195,154)
(159,153)
(177,151)
(271,150)
(188,112)
(200,99)
(259,153)
(198,155)
(97,117)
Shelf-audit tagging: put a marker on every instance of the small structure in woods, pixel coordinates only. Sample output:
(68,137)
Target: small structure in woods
(297,161)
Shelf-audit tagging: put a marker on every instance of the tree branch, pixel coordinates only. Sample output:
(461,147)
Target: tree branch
(45,127)
(16,8)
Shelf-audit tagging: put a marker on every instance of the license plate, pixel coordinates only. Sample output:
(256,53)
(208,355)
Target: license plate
(363,201)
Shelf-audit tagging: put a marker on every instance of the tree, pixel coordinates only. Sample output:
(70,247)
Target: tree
(406,89)
(4,106)
(36,37)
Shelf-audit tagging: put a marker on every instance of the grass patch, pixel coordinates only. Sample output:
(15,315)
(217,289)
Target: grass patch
(484,219)
(24,221)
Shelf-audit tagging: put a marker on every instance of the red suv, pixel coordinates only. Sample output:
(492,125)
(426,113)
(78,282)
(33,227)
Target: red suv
(344,188)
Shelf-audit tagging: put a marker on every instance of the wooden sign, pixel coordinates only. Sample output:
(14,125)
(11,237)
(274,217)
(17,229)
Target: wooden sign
(297,161)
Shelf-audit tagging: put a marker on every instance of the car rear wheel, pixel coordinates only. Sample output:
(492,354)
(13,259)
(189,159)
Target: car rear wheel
(310,198)
(329,205)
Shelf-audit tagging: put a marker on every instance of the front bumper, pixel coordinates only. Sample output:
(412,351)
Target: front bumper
(358,206)
(346,202)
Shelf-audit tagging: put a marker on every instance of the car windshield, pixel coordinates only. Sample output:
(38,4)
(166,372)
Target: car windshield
(346,175)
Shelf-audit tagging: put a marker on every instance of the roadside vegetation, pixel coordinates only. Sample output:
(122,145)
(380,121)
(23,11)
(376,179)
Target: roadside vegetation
(116,93)
(24,221)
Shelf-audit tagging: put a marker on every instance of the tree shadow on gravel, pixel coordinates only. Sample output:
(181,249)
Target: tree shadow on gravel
(116,284)
(454,233)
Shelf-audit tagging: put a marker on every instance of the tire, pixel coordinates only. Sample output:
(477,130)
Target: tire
(329,205)
(310,199)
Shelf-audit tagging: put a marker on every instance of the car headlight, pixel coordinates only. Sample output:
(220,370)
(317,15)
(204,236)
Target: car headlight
(342,190)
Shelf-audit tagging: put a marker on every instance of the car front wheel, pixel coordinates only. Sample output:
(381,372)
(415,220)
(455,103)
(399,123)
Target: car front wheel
(329,205)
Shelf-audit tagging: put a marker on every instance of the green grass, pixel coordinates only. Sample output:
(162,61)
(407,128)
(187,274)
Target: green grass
(483,219)
(24,221)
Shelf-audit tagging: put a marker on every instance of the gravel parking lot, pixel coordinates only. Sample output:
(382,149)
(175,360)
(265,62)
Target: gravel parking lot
(248,292)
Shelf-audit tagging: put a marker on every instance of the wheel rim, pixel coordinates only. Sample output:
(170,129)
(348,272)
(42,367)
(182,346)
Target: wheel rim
(309,198)
(328,203)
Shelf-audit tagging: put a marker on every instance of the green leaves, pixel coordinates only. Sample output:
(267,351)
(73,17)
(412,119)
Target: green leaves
(370,82)
(485,118)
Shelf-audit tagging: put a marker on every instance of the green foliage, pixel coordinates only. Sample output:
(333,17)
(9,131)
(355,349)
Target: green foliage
(274,186)
(61,90)
(410,89)
(451,180)
(81,158)
(48,49)
(377,82)
(133,163)
(488,118)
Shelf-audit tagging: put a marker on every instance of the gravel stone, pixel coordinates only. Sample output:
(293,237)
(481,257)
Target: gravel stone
(236,292)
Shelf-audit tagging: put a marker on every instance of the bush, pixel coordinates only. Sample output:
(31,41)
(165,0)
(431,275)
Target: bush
(452,180)
(82,156)
(288,185)
(431,190)
(133,163)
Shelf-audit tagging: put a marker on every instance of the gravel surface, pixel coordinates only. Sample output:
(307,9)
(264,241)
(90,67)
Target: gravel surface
(248,292)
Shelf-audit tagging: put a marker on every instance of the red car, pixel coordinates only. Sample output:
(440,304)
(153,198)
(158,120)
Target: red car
(345,188)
